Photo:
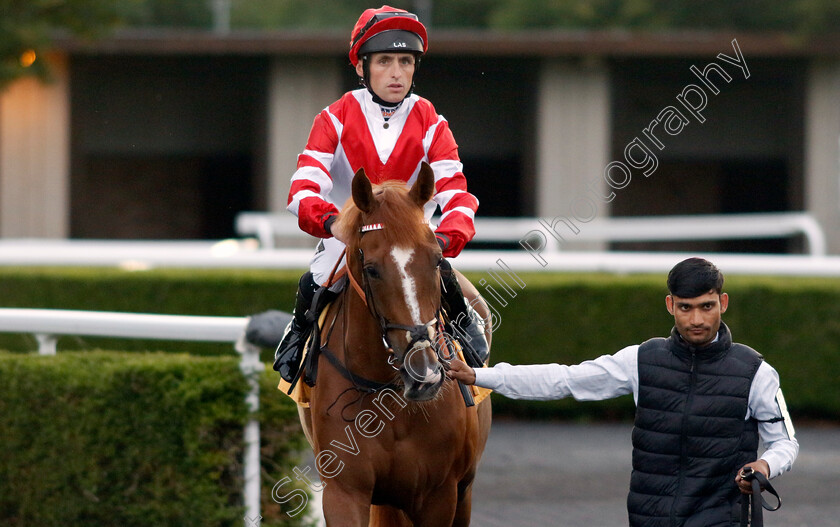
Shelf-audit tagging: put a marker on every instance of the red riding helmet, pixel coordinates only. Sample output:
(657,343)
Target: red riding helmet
(387,29)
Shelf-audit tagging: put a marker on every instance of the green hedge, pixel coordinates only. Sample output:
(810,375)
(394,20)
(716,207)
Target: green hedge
(793,322)
(177,292)
(133,439)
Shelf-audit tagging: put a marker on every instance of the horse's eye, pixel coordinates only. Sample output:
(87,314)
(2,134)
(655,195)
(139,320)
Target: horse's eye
(371,271)
(439,263)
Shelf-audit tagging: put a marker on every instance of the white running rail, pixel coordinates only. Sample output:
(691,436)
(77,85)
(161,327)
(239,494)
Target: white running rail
(553,233)
(47,324)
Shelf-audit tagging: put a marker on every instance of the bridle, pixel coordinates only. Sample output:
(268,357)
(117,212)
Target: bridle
(416,333)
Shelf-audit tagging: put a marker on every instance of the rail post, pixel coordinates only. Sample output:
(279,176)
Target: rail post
(252,368)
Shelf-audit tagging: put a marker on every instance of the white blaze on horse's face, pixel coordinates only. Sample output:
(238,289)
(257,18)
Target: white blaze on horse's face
(402,257)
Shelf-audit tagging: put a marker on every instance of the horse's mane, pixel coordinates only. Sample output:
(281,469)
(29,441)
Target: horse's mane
(402,218)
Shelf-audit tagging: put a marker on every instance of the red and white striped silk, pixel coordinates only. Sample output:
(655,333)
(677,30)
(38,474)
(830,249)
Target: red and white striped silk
(351,133)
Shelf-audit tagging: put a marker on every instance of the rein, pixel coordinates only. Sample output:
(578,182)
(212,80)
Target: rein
(359,383)
(357,287)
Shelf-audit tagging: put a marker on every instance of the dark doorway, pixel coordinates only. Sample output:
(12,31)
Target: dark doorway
(745,156)
(709,187)
(164,147)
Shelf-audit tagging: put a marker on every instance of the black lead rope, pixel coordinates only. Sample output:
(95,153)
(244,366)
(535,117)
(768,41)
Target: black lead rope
(753,504)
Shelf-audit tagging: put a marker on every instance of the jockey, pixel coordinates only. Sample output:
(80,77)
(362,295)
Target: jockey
(388,131)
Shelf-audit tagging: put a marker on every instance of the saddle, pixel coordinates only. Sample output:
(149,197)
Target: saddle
(315,321)
(300,392)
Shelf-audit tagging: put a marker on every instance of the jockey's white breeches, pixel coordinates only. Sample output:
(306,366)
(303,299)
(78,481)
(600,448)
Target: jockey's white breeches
(323,261)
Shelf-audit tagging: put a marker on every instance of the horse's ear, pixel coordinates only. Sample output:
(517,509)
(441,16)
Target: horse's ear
(363,192)
(424,188)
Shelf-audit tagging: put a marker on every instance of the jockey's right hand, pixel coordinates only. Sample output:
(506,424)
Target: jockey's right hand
(459,371)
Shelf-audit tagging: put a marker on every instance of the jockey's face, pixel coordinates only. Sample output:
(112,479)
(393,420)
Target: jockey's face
(391,75)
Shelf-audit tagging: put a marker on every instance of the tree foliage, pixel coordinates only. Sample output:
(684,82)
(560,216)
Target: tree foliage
(798,16)
(166,13)
(302,14)
(27,26)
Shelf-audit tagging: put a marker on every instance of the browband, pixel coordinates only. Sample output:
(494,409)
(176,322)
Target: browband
(371,227)
(377,227)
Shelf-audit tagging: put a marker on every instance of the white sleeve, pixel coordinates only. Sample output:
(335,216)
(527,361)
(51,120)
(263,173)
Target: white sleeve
(606,377)
(767,406)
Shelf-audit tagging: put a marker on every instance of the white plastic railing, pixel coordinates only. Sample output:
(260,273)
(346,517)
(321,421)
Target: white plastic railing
(656,229)
(47,324)
(536,242)
(242,254)
(269,227)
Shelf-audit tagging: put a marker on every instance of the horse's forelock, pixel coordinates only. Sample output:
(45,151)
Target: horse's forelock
(401,217)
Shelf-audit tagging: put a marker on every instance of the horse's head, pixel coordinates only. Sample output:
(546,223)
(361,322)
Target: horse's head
(393,254)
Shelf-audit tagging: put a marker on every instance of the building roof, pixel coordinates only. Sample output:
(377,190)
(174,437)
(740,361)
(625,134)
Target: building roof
(543,43)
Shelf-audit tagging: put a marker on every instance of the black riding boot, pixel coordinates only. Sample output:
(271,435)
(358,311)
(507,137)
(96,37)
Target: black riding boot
(289,352)
(466,322)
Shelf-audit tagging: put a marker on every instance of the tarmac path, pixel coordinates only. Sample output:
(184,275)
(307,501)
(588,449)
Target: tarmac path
(574,475)
(577,475)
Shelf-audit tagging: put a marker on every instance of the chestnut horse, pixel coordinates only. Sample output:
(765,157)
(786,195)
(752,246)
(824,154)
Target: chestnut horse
(394,442)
